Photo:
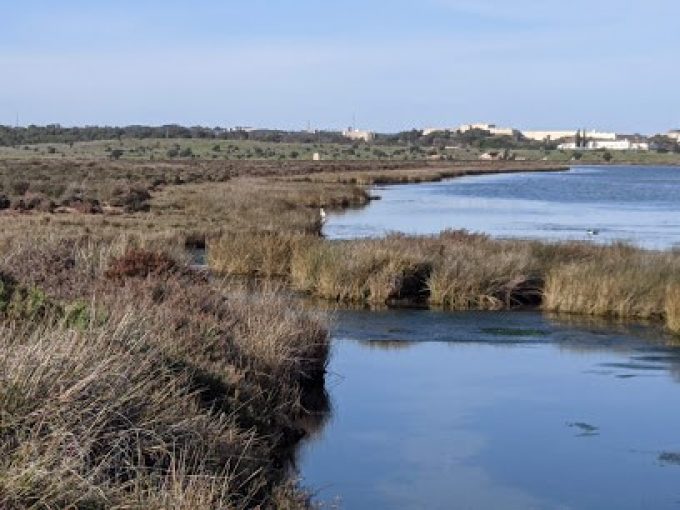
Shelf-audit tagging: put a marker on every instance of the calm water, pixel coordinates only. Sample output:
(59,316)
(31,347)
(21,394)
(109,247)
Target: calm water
(505,410)
(497,411)
(636,204)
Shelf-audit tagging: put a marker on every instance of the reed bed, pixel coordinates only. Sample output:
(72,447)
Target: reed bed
(624,283)
(460,271)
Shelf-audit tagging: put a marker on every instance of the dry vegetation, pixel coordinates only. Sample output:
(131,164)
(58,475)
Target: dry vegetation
(460,271)
(129,381)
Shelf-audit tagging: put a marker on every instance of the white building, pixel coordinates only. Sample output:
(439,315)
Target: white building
(542,136)
(614,145)
(429,131)
(674,134)
(355,134)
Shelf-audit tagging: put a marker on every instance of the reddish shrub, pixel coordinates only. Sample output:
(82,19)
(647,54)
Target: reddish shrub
(141,263)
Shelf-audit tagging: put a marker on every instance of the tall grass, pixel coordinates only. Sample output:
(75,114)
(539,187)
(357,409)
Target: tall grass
(623,283)
(459,271)
(172,394)
(673,307)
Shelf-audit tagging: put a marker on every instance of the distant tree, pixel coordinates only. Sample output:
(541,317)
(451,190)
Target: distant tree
(607,156)
(186,153)
(578,138)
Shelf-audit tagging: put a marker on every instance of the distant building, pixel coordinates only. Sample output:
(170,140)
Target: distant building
(674,134)
(355,134)
(492,156)
(552,136)
(614,145)
(429,131)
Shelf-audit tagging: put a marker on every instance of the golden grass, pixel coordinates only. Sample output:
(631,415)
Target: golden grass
(459,271)
(624,283)
(672,307)
(350,271)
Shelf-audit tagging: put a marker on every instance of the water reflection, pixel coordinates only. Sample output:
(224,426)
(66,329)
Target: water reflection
(387,345)
(497,410)
(635,204)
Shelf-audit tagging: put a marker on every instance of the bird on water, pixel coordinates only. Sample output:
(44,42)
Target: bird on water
(593,232)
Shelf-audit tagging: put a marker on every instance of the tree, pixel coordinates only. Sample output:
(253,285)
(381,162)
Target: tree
(607,156)
(578,138)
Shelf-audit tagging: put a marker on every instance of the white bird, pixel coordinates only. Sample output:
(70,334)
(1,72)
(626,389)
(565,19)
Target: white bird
(593,232)
(322,213)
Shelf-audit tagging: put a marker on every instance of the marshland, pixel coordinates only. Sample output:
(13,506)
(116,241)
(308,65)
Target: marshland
(291,368)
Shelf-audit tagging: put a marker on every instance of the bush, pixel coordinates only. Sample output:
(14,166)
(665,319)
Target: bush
(116,153)
(141,263)
(132,199)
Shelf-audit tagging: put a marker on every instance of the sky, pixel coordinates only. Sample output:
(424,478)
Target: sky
(386,65)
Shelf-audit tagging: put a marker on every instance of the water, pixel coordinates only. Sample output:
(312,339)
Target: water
(640,205)
(505,410)
(497,411)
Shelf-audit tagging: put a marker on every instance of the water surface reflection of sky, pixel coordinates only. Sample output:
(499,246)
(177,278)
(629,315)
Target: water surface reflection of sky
(636,204)
(494,410)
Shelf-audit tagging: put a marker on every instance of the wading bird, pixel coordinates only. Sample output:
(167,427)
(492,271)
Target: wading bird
(322,213)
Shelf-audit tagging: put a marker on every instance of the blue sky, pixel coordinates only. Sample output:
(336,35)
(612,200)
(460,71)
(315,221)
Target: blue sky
(391,64)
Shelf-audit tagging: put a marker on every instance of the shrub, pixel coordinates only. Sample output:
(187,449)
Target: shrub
(20,187)
(7,285)
(140,264)
(131,199)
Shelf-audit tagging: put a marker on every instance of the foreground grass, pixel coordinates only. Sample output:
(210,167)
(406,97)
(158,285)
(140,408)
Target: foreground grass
(127,381)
